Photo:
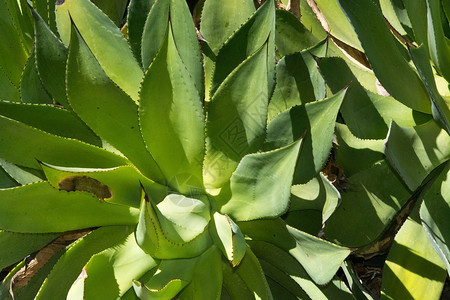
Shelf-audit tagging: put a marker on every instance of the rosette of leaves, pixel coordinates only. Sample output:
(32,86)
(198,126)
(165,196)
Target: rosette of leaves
(120,180)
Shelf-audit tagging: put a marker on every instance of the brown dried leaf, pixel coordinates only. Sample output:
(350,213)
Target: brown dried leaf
(85,184)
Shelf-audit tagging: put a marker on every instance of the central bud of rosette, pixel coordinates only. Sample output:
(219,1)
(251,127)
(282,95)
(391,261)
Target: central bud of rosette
(184,227)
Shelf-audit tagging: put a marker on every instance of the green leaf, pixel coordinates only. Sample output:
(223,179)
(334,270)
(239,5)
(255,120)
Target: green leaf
(186,41)
(26,144)
(229,238)
(50,119)
(114,9)
(6,181)
(22,20)
(21,175)
(138,11)
(412,270)
(51,57)
(31,88)
(154,31)
(169,97)
(219,21)
(354,154)
(291,35)
(63,23)
(418,19)
(105,41)
(236,119)
(207,277)
(170,278)
(104,107)
(20,245)
(175,228)
(14,56)
(121,184)
(7,89)
(261,183)
(69,266)
(366,114)
(377,192)
(438,43)
(298,81)
(434,216)
(321,259)
(415,151)
(440,108)
(358,290)
(56,211)
(248,39)
(388,64)
(111,272)
(317,194)
(46,9)
(292,124)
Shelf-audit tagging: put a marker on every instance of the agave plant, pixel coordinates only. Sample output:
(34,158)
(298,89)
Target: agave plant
(128,173)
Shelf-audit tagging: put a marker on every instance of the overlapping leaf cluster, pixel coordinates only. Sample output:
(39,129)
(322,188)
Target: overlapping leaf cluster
(141,159)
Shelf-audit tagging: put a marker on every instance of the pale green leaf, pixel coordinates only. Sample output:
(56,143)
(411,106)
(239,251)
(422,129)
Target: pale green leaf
(434,216)
(104,107)
(169,97)
(22,210)
(393,71)
(261,184)
(105,41)
(111,272)
(412,270)
(21,175)
(415,151)
(236,119)
(25,145)
(292,124)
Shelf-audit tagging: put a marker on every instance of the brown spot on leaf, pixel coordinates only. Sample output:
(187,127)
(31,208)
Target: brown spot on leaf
(60,2)
(85,184)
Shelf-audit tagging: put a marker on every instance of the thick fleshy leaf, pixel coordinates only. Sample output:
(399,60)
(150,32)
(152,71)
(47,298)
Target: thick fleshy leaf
(50,119)
(20,245)
(169,279)
(57,211)
(111,272)
(137,15)
(51,57)
(354,283)
(412,270)
(236,119)
(354,154)
(6,181)
(169,97)
(388,64)
(186,41)
(207,277)
(14,55)
(434,215)
(292,124)
(417,17)
(22,20)
(175,228)
(438,43)
(46,9)
(317,194)
(26,144)
(114,9)
(298,81)
(104,107)
(261,183)
(154,31)
(31,88)
(440,108)
(69,266)
(20,174)
(320,258)
(121,185)
(105,41)
(377,192)
(415,151)
(63,22)
(291,35)
(219,21)
(249,38)
(366,114)
(229,238)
